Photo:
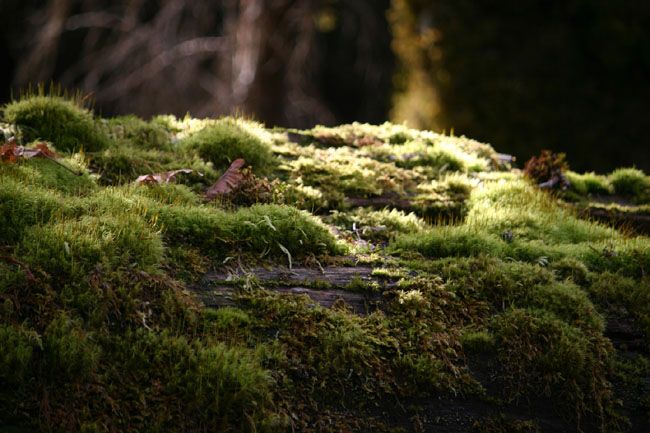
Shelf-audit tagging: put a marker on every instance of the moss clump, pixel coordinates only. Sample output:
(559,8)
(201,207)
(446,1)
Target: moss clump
(17,347)
(377,225)
(68,126)
(122,164)
(588,183)
(70,352)
(45,173)
(477,342)
(73,248)
(542,354)
(632,183)
(615,293)
(22,206)
(224,141)
(265,230)
(138,133)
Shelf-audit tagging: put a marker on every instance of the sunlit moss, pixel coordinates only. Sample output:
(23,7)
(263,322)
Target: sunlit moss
(224,140)
(377,225)
(138,133)
(631,182)
(45,173)
(67,125)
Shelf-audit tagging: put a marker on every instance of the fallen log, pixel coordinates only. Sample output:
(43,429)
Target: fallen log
(325,287)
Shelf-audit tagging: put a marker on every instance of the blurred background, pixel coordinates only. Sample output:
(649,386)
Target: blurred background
(566,75)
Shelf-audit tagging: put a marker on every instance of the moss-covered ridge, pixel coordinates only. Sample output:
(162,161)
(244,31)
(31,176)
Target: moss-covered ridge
(497,307)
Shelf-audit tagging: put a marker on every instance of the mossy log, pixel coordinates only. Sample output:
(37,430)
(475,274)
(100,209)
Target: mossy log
(327,287)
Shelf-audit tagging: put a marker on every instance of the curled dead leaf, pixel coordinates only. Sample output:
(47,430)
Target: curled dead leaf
(10,152)
(228,181)
(164,177)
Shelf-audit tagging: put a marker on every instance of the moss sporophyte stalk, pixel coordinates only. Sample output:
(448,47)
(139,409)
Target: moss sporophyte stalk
(353,278)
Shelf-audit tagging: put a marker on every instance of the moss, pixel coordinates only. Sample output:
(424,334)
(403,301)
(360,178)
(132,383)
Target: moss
(68,126)
(71,354)
(502,424)
(138,133)
(476,342)
(96,281)
(45,173)
(122,164)
(631,182)
(169,194)
(589,183)
(571,269)
(450,241)
(17,347)
(569,303)
(542,354)
(376,225)
(224,141)
(267,230)
(22,206)
(72,248)
(614,292)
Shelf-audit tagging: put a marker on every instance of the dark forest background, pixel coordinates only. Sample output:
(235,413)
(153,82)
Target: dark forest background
(569,75)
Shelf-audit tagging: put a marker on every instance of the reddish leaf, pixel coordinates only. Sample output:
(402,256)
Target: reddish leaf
(164,177)
(8,152)
(40,150)
(228,181)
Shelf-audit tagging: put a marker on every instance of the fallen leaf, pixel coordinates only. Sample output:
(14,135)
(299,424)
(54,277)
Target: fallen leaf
(228,181)
(10,152)
(164,177)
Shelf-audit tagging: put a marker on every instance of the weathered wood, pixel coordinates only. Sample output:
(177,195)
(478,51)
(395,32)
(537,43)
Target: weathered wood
(335,276)
(220,289)
(222,296)
(639,222)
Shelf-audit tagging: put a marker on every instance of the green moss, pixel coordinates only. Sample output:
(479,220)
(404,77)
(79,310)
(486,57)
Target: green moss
(450,241)
(71,354)
(569,303)
(589,183)
(72,248)
(632,183)
(224,141)
(542,354)
(97,283)
(276,231)
(476,342)
(122,164)
(138,133)
(22,206)
(614,292)
(169,194)
(17,347)
(45,173)
(376,225)
(218,387)
(68,126)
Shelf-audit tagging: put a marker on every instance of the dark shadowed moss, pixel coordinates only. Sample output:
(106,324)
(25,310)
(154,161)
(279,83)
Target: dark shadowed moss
(543,355)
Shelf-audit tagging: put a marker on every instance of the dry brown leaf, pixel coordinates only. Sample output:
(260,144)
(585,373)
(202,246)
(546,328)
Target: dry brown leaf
(228,181)
(10,152)
(164,177)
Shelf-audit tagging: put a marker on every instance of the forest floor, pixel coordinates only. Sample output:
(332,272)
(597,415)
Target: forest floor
(356,278)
